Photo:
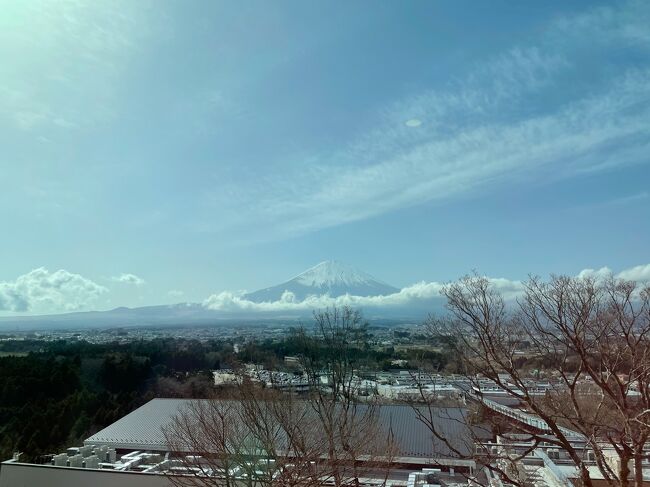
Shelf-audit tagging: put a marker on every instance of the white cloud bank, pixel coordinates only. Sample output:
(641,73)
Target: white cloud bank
(414,295)
(42,291)
(640,273)
(128,279)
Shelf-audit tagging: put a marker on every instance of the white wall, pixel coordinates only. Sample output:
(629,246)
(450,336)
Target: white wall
(27,475)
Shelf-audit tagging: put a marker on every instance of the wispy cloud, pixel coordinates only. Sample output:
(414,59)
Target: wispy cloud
(633,199)
(175,293)
(491,128)
(128,279)
(72,54)
(42,291)
(621,23)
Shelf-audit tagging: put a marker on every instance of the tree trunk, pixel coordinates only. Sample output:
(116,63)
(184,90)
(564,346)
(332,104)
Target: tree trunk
(584,476)
(624,471)
(638,470)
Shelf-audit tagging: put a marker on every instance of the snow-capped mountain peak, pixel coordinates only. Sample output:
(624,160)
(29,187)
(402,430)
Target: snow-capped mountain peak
(330,277)
(332,272)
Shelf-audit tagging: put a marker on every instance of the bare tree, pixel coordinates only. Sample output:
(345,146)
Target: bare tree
(265,436)
(591,338)
(356,440)
(207,441)
(260,437)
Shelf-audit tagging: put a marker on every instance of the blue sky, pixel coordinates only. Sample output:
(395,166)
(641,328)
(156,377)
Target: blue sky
(156,152)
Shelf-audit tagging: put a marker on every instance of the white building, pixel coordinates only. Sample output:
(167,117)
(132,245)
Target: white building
(224,377)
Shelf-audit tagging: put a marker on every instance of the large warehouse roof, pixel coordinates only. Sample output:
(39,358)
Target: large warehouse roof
(143,428)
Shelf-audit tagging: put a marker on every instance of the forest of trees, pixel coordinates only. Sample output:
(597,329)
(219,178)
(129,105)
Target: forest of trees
(55,394)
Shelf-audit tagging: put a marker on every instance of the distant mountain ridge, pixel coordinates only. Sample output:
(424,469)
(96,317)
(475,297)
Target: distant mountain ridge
(330,277)
(327,278)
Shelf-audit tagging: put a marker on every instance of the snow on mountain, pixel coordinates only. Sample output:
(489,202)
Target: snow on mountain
(330,273)
(330,277)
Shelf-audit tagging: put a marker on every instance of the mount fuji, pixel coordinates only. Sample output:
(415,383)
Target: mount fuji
(332,278)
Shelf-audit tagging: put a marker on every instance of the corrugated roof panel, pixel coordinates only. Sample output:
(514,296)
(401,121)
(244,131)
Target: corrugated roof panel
(143,429)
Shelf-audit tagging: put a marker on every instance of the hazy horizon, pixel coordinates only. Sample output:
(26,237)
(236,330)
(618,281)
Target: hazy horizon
(416,299)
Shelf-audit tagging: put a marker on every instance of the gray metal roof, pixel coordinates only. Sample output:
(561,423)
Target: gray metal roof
(142,429)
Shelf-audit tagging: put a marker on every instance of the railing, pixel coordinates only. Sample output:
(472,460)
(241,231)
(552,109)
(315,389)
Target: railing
(523,417)
(559,476)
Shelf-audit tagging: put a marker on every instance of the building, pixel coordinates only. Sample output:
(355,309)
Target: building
(547,465)
(133,451)
(225,377)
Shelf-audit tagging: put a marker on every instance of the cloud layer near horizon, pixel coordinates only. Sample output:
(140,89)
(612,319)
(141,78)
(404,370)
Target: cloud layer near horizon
(42,291)
(420,293)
